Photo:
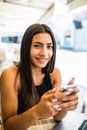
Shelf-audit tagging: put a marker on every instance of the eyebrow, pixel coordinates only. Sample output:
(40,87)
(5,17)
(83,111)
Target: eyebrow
(42,43)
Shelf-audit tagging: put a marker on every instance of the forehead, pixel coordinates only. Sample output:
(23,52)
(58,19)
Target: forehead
(42,37)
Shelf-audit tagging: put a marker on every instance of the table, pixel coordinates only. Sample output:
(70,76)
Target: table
(44,124)
(71,122)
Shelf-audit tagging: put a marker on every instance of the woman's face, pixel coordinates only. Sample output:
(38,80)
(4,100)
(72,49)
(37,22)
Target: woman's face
(41,50)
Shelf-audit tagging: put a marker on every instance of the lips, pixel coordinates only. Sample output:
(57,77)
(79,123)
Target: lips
(42,60)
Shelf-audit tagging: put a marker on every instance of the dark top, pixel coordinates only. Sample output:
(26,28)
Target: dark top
(45,86)
(41,89)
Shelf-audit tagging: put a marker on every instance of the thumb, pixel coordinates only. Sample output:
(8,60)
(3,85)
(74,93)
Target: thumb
(71,81)
(51,91)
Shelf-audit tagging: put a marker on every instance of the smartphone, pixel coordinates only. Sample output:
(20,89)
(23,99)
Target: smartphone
(66,87)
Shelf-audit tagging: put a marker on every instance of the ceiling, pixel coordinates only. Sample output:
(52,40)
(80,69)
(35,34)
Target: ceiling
(31,2)
(18,14)
(66,1)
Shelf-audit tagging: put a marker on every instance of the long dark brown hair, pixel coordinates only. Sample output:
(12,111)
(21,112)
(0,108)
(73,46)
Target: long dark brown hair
(28,96)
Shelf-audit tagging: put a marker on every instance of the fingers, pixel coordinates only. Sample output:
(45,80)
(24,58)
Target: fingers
(71,104)
(61,100)
(75,90)
(51,91)
(71,81)
(55,96)
(46,108)
(57,108)
(70,98)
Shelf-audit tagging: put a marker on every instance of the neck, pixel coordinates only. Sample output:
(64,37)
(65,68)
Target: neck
(36,70)
(37,76)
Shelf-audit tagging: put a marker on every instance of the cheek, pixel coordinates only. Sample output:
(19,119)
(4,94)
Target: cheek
(51,53)
(32,54)
(32,51)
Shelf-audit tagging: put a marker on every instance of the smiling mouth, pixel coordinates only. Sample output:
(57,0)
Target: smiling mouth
(42,59)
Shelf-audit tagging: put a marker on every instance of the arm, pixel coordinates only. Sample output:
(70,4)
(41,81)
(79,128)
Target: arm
(9,104)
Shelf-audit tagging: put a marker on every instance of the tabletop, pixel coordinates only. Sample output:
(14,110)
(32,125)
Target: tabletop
(72,121)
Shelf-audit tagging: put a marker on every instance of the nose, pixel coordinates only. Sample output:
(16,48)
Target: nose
(43,51)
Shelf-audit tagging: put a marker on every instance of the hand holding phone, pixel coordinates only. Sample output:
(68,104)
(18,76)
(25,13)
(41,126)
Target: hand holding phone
(71,91)
(68,88)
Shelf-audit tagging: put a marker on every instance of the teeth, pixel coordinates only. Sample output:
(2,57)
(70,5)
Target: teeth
(41,59)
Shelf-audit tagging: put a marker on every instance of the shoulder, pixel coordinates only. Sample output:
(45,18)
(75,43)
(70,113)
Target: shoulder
(8,72)
(8,76)
(56,77)
(56,72)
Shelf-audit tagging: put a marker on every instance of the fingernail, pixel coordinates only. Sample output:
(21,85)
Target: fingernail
(73,78)
(54,100)
(68,92)
(53,89)
(58,109)
(56,106)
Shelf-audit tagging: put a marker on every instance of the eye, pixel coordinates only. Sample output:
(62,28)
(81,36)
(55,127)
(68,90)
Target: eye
(49,46)
(37,45)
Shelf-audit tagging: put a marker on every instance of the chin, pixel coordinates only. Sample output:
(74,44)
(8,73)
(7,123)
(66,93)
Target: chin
(42,66)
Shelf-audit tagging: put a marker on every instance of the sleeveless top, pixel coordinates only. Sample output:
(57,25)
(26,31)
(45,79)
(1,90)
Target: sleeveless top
(41,89)
(45,86)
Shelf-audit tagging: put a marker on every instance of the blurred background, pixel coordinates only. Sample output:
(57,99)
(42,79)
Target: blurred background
(67,19)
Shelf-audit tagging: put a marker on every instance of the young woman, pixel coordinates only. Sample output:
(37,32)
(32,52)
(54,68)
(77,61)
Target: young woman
(30,90)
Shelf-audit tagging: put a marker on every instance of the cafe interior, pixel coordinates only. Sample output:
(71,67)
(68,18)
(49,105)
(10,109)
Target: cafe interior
(67,19)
